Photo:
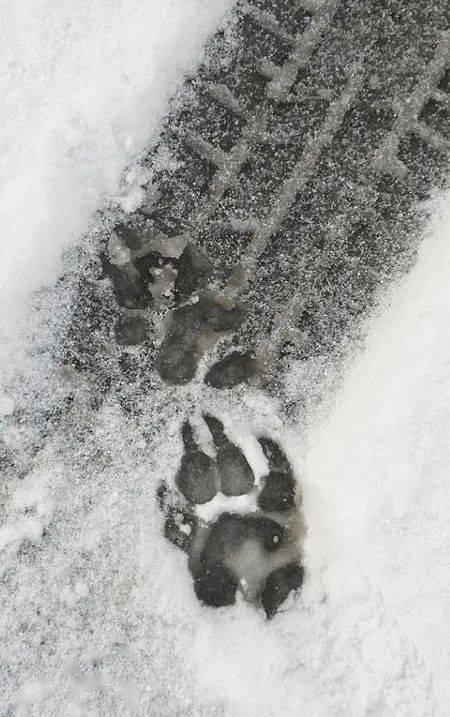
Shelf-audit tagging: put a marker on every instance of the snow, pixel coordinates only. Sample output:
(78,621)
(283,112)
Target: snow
(240,504)
(98,615)
(385,471)
(103,618)
(84,85)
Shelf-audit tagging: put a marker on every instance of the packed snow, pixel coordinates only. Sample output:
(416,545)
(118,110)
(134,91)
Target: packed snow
(98,615)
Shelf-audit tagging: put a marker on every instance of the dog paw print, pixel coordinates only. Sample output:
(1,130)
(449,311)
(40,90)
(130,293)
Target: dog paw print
(240,536)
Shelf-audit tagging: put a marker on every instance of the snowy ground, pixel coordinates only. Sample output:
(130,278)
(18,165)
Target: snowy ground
(98,616)
(84,85)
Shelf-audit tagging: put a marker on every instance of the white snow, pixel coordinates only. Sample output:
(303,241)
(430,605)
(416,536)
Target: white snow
(84,84)
(384,476)
(97,611)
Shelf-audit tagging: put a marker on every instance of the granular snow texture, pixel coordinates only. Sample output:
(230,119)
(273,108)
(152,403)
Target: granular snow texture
(98,615)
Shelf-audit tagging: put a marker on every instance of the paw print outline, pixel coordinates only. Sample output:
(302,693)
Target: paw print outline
(254,544)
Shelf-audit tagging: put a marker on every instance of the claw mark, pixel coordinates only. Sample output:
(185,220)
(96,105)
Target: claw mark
(197,477)
(278,493)
(236,476)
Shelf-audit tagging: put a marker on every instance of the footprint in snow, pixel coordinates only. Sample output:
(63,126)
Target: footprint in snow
(239,536)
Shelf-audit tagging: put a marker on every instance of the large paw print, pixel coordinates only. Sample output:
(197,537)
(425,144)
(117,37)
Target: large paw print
(240,537)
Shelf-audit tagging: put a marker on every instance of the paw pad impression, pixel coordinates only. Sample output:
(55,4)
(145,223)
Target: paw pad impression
(255,550)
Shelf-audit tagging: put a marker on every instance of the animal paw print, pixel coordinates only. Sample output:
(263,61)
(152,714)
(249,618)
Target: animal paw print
(149,272)
(239,536)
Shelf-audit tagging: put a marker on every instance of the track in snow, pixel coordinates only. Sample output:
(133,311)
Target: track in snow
(299,160)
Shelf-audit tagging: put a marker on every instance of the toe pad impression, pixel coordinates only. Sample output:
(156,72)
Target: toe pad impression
(278,493)
(214,584)
(197,477)
(278,586)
